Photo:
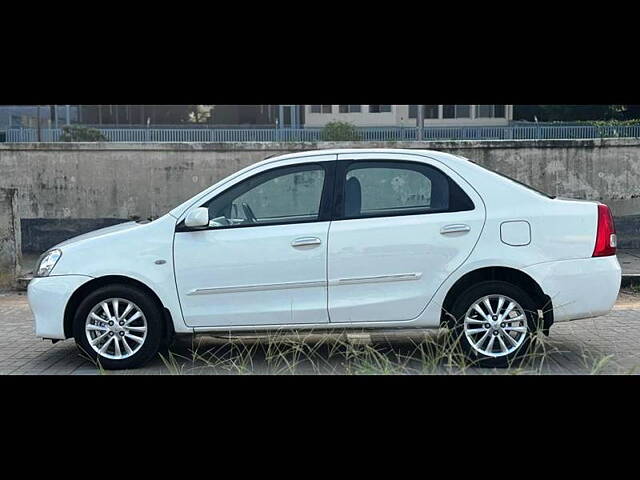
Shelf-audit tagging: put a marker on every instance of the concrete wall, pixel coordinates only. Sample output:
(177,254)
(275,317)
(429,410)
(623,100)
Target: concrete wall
(66,189)
(10,248)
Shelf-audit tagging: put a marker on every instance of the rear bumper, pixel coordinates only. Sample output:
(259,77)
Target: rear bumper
(48,298)
(579,288)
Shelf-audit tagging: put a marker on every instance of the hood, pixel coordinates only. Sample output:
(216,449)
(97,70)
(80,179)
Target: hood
(100,233)
(127,249)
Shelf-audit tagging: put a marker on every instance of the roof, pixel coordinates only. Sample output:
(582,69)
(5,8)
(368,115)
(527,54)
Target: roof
(442,156)
(445,158)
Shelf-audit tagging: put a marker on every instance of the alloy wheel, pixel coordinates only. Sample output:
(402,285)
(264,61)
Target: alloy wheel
(116,328)
(495,325)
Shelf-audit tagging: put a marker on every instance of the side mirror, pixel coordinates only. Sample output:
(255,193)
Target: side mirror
(198,217)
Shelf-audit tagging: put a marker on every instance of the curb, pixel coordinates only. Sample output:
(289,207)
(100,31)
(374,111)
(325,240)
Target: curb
(630,279)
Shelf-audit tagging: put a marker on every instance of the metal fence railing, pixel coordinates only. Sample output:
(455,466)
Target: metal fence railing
(164,135)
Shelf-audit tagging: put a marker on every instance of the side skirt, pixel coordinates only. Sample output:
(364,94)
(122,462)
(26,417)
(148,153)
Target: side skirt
(310,329)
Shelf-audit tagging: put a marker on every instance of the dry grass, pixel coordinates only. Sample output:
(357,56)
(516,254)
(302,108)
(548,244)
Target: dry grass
(428,353)
(419,352)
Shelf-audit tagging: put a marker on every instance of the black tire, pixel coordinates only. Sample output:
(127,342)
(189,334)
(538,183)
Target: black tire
(153,342)
(465,301)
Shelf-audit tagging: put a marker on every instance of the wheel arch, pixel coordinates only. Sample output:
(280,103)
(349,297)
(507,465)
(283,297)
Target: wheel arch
(86,288)
(507,274)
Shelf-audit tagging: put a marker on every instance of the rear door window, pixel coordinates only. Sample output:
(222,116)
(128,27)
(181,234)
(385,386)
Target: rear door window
(391,188)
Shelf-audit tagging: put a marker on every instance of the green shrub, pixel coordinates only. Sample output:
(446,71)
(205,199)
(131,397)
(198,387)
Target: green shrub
(340,132)
(76,133)
(604,128)
(609,128)
(612,123)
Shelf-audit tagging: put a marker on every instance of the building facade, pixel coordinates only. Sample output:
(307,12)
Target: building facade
(263,116)
(405,115)
(26,116)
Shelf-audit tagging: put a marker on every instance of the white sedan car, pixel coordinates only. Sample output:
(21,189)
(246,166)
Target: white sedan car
(336,239)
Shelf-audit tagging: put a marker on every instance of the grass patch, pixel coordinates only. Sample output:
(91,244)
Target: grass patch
(430,353)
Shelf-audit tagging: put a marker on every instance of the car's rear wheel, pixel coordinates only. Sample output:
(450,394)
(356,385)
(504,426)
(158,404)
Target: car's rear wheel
(494,323)
(118,327)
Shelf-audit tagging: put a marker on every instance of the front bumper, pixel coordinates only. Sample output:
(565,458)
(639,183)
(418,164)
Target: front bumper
(48,298)
(581,288)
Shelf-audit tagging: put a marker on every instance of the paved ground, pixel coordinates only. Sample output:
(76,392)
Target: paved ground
(609,344)
(629,261)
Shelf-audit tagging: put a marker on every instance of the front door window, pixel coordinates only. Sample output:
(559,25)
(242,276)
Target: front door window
(285,195)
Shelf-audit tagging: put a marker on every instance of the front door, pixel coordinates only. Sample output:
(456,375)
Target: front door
(401,228)
(263,259)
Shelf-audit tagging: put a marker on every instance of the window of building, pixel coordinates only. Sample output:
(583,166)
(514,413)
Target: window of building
(456,111)
(430,111)
(379,108)
(321,108)
(484,111)
(448,111)
(490,111)
(463,111)
(389,188)
(349,108)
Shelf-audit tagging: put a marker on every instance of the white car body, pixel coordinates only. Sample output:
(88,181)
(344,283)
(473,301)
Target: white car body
(376,272)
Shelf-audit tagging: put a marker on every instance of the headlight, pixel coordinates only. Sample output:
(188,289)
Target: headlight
(47,262)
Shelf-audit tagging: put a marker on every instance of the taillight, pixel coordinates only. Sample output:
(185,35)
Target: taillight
(606,239)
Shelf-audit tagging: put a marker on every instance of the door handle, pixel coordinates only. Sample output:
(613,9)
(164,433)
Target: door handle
(457,228)
(306,241)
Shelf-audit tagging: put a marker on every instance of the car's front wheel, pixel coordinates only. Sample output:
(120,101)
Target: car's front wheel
(118,327)
(494,323)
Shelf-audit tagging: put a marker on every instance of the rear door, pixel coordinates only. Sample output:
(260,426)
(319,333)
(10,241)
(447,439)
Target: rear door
(402,224)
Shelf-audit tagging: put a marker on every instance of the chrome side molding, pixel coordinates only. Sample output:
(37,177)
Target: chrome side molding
(398,277)
(256,288)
